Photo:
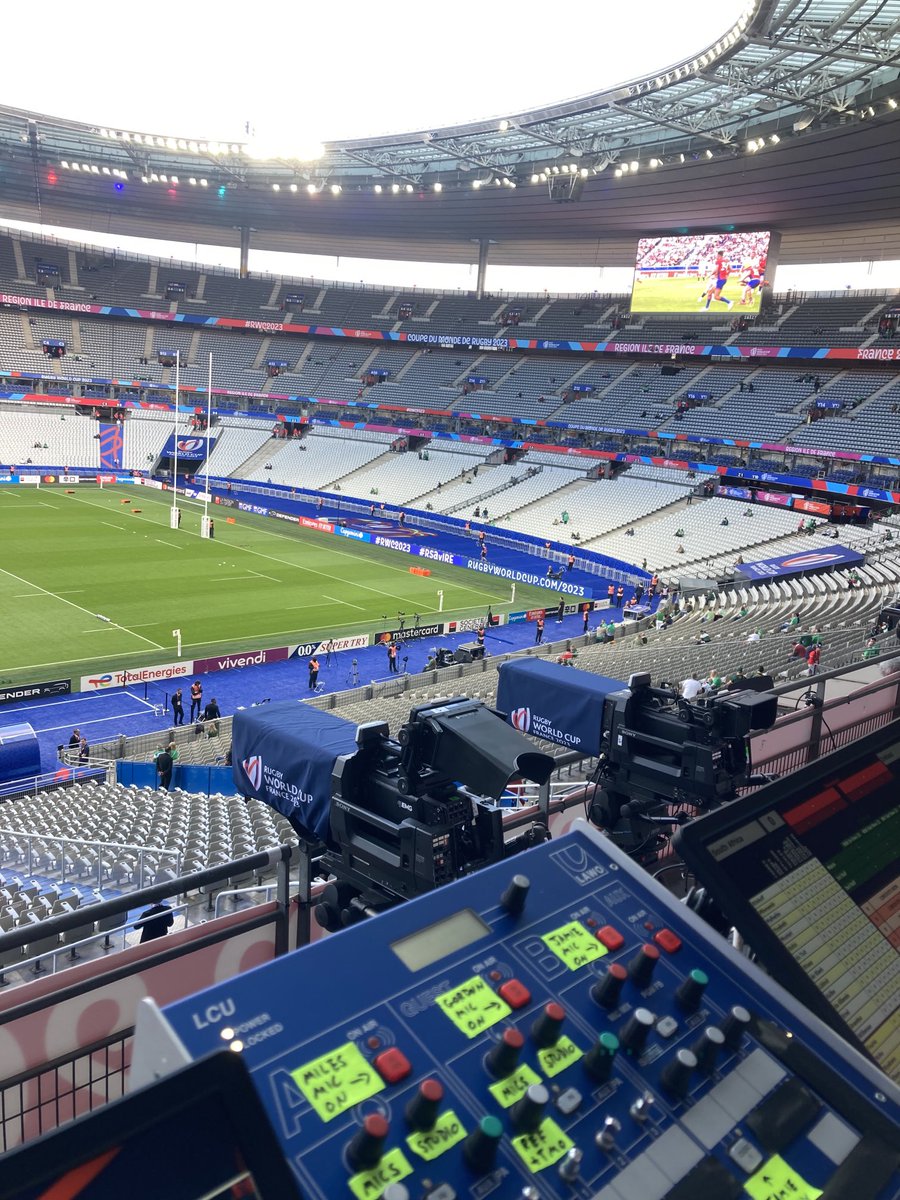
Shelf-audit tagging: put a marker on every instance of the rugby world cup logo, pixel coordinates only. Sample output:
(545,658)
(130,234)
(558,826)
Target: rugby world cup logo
(520,718)
(186,445)
(253,769)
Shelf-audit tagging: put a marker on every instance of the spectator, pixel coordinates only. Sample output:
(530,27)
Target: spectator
(691,687)
(211,718)
(164,765)
(155,922)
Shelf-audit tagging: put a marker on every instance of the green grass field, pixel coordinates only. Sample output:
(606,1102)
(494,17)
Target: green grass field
(259,583)
(682,296)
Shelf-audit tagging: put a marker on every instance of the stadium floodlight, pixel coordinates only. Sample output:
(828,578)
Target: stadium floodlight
(76,167)
(503,126)
(311,188)
(64,165)
(752,146)
(438,187)
(395,188)
(204,183)
(654,163)
(145,179)
(624,169)
(410,188)
(193,147)
(171,144)
(584,172)
(276,187)
(173,179)
(618,172)
(336,189)
(163,179)
(192,181)
(476,184)
(534,178)
(634,165)
(104,170)
(573,167)
(293,187)
(892,103)
(774,139)
(709,153)
(565,168)
(555,169)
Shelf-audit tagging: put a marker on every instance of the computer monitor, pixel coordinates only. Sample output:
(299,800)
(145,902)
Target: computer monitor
(198,1134)
(808,870)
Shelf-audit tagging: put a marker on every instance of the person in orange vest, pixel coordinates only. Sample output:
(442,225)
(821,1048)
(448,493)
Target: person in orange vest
(539,631)
(611,592)
(313,672)
(196,698)
(570,562)
(479,636)
(392,657)
(620,594)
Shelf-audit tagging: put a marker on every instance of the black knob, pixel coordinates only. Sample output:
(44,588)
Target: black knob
(526,1114)
(690,991)
(633,1034)
(503,1058)
(421,1112)
(481,1145)
(545,1030)
(641,967)
(365,1148)
(513,899)
(735,1025)
(707,1047)
(676,1074)
(598,1061)
(608,988)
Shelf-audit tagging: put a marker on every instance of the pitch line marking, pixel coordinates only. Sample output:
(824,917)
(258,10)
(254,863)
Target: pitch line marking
(335,600)
(81,608)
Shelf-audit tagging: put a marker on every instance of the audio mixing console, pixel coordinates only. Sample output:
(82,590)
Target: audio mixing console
(556,1025)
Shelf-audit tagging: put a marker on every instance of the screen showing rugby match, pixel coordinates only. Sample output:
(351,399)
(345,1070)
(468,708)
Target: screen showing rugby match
(705,273)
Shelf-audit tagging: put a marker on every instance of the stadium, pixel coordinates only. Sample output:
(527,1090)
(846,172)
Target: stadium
(229,490)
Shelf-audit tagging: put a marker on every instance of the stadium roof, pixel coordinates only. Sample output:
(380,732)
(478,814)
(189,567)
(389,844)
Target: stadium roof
(790,121)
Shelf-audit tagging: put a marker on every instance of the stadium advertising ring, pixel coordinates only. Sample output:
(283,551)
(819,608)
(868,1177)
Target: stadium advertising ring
(32,691)
(408,635)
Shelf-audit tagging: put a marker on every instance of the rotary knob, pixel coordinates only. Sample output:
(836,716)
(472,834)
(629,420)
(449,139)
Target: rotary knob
(598,1061)
(707,1048)
(503,1058)
(634,1033)
(481,1145)
(642,966)
(608,988)
(526,1114)
(365,1148)
(513,899)
(735,1025)
(545,1031)
(421,1112)
(675,1076)
(690,991)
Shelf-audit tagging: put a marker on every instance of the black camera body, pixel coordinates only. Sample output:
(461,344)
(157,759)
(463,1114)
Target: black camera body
(410,814)
(663,759)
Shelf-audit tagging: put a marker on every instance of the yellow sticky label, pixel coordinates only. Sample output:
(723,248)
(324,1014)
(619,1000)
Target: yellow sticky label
(447,1131)
(573,945)
(777,1179)
(337,1081)
(369,1185)
(544,1147)
(556,1058)
(473,1006)
(507,1091)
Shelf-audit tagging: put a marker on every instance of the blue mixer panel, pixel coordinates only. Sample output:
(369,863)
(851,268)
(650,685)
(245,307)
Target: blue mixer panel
(555,1025)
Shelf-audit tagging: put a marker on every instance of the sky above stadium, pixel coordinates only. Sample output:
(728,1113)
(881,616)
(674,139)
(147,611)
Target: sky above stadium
(309,73)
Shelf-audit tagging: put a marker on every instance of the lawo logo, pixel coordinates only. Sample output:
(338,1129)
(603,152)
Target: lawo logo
(520,718)
(253,769)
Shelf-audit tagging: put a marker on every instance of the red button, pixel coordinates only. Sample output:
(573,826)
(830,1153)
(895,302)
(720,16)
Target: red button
(611,938)
(392,1065)
(515,994)
(669,941)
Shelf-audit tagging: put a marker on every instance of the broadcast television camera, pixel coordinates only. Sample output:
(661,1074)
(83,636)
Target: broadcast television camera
(664,759)
(410,814)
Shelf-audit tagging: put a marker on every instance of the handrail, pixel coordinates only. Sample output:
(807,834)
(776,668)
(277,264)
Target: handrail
(52,926)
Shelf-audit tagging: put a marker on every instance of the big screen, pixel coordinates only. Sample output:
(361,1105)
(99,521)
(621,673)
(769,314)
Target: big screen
(705,273)
(808,869)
